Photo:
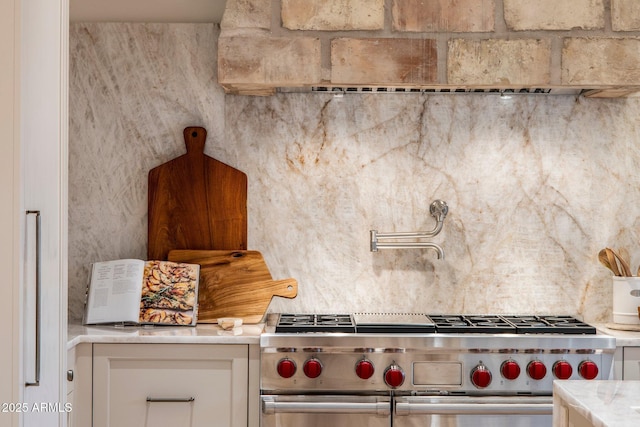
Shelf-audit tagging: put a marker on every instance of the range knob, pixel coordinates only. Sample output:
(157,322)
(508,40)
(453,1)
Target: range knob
(364,369)
(481,376)
(510,369)
(562,370)
(536,370)
(312,368)
(394,376)
(286,368)
(588,369)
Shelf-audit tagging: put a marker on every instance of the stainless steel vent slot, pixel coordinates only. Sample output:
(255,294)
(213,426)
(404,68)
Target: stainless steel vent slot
(344,89)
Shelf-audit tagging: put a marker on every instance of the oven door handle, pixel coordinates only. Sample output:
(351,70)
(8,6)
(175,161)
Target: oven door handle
(475,406)
(272,406)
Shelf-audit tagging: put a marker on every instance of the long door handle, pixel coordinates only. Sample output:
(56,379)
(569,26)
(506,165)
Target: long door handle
(36,381)
(309,407)
(542,406)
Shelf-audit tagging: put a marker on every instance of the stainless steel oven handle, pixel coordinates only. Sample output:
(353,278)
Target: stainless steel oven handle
(270,406)
(536,406)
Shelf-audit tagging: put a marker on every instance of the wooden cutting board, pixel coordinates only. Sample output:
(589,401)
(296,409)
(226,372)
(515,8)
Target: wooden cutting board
(234,284)
(196,202)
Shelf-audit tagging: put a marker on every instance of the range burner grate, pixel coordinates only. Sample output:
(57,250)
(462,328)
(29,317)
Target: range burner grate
(315,323)
(550,325)
(495,324)
(468,324)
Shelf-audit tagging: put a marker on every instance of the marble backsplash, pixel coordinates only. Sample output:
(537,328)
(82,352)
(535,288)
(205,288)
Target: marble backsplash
(536,185)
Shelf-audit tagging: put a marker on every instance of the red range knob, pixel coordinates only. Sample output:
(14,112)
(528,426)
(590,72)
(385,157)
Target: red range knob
(394,376)
(312,368)
(510,369)
(588,370)
(364,369)
(562,370)
(536,370)
(481,376)
(286,368)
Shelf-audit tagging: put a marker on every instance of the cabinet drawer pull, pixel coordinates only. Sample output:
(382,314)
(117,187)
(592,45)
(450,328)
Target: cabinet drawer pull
(170,399)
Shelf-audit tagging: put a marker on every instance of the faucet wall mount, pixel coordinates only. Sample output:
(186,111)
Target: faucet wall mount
(438,209)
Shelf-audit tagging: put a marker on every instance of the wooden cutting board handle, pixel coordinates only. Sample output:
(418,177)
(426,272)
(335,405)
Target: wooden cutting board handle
(194,139)
(286,288)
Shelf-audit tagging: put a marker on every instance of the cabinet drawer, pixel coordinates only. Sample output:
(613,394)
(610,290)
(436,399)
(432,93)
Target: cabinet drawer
(169,385)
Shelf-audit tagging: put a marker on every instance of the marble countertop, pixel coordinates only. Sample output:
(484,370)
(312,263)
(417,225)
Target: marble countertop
(199,334)
(603,403)
(623,338)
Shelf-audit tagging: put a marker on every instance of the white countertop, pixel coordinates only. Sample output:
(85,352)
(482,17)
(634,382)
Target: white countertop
(623,338)
(603,403)
(199,334)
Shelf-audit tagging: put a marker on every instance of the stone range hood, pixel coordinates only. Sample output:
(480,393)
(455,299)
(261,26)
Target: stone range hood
(591,47)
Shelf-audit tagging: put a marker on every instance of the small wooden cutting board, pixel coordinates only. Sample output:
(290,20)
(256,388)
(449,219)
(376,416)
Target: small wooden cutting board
(196,202)
(234,284)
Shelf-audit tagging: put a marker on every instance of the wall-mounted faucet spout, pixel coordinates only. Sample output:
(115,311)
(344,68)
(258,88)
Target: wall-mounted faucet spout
(438,210)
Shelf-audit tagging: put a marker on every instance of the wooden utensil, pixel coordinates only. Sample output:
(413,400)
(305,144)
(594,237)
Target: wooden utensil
(624,269)
(196,202)
(611,258)
(234,284)
(604,259)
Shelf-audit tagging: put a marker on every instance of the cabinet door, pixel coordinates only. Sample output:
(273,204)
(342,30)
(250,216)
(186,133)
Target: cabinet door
(565,415)
(170,385)
(79,362)
(631,364)
(42,210)
(71,371)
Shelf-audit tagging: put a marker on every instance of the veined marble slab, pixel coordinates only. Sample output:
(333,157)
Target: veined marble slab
(536,185)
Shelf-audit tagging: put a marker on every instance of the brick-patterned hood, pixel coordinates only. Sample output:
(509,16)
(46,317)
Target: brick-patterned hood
(542,46)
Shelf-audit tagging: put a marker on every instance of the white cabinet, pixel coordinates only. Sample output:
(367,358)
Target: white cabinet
(43,142)
(33,118)
(631,366)
(192,385)
(617,363)
(630,358)
(566,416)
(79,385)
(71,358)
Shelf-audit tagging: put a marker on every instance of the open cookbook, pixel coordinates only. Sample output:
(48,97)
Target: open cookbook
(133,291)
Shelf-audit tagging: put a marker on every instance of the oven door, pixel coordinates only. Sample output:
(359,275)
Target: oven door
(473,411)
(325,411)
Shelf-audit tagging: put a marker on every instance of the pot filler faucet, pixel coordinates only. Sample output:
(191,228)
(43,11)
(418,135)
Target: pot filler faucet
(438,210)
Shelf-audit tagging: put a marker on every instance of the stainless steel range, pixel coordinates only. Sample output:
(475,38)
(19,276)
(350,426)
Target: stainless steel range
(401,370)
